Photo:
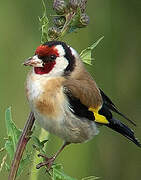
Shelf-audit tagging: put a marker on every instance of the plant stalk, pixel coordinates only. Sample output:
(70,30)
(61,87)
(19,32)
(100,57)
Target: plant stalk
(23,140)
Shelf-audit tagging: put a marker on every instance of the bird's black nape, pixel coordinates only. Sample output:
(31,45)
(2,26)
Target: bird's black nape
(68,55)
(54,43)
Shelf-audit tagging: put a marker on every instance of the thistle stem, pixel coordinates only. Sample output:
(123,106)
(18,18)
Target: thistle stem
(23,140)
(66,26)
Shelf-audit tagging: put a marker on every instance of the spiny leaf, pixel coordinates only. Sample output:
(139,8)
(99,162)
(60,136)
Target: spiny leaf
(13,134)
(9,148)
(39,145)
(58,173)
(44,25)
(91,178)
(25,161)
(86,54)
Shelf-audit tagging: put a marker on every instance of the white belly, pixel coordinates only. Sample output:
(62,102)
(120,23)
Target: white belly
(64,123)
(53,125)
(68,127)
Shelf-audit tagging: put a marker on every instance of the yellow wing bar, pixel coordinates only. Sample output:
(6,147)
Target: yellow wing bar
(98,117)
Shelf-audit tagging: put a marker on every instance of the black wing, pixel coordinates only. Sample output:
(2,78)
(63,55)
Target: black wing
(110,105)
(77,107)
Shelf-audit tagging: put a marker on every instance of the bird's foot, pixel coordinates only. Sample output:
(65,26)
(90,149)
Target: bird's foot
(48,162)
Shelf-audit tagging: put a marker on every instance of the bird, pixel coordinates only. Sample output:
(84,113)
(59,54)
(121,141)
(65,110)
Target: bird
(65,99)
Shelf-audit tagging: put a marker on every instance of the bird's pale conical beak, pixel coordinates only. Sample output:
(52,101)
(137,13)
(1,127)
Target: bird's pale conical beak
(33,61)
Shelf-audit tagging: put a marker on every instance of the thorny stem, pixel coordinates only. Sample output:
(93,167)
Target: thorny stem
(23,140)
(66,27)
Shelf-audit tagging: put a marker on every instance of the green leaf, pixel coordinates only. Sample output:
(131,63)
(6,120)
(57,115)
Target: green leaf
(44,25)
(39,145)
(13,134)
(58,173)
(25,161)
(10,145)
(91,178)
(9,148)
(86,54)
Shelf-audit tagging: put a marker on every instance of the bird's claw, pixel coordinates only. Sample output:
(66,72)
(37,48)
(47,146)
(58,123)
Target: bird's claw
(48,162)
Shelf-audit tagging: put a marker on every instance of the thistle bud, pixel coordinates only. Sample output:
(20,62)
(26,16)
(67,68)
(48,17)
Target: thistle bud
(84,20)
(82,5)
(59,6)
(59,21)
(73,4)
(53,32)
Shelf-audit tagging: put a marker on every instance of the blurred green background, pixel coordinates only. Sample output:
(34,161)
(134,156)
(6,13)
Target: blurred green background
(116,69)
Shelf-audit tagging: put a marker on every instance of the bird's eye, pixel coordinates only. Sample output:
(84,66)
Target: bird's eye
(53,57)
(46,59)
(40,57)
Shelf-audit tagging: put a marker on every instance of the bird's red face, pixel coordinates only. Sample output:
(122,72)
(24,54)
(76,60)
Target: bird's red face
(53,56)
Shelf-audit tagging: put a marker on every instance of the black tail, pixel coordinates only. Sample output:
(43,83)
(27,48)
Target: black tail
(110,105)
(124,130)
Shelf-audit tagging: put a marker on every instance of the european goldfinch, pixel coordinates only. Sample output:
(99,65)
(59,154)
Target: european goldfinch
(66,100)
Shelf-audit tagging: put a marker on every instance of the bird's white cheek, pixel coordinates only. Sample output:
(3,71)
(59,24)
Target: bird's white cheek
(61,63)
(60,66)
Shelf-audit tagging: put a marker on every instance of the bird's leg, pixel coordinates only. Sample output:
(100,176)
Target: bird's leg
(49,161)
